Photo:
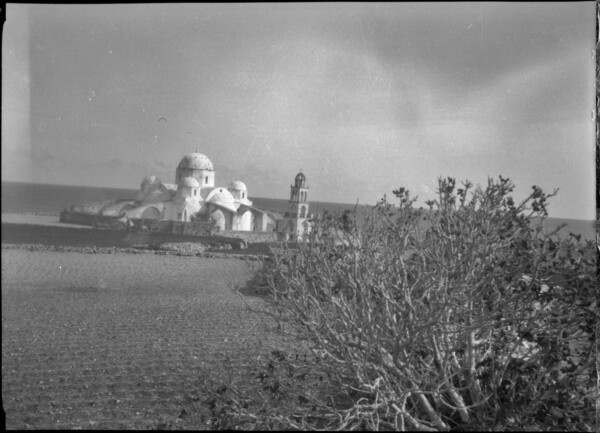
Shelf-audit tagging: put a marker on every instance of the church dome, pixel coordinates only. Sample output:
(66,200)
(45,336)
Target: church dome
(190,182)
(151,180)
(223,198)
(195,161)
(238,185)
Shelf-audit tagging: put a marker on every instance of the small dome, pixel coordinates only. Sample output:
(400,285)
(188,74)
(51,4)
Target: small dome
(190,182)
(151,179)
(238,185)
(196,161)
(223,198)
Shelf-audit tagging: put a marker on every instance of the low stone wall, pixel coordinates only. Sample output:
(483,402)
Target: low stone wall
(134,250)
(139,224)
(194,228)
(93,220)
(250,237)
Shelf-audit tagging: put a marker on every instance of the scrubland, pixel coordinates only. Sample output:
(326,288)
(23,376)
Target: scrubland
(462,317)
(474,319)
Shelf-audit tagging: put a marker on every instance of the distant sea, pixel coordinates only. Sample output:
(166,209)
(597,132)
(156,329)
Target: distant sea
(18,197)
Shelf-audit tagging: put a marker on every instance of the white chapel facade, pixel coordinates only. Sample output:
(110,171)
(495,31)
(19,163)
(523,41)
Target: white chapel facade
(194,195)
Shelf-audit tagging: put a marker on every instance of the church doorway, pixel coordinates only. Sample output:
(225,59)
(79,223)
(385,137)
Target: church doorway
(151,213)
(245,221)
(219,219)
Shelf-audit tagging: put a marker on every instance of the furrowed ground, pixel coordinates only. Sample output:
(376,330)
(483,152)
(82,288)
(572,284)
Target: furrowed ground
(106,341)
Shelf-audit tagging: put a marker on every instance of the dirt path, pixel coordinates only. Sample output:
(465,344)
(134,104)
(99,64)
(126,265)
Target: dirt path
(118,341)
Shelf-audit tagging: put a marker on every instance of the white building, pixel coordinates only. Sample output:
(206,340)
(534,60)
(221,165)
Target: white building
(192,196)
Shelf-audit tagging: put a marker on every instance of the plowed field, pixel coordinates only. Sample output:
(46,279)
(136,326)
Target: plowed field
(108,341)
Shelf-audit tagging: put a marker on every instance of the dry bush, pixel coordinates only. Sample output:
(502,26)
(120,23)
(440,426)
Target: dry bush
(463,316)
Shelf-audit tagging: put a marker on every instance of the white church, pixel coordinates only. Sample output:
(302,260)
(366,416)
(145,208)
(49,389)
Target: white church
(195,196)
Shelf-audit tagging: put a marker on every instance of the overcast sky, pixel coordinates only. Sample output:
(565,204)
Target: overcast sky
(363,97)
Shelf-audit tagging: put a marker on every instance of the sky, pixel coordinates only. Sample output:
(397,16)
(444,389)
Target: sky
(361,97)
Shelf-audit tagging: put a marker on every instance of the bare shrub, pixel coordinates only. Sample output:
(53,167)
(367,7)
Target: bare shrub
(463,316)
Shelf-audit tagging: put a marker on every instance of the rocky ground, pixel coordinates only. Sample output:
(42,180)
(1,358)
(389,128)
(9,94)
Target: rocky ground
(59,236)
(178,249)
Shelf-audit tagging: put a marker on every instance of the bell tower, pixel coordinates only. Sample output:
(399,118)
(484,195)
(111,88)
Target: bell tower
(297,224)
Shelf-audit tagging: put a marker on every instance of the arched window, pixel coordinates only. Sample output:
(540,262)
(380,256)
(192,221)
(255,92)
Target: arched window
(245,223)
(205,180)
(219,219)
(151,213)
(302,211)
(243,195)
(195,191)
